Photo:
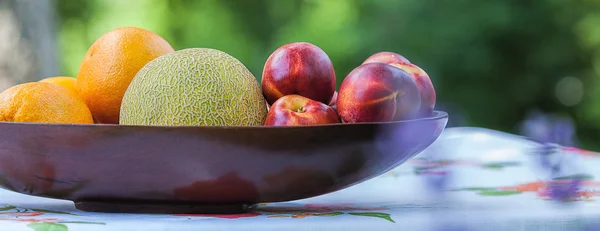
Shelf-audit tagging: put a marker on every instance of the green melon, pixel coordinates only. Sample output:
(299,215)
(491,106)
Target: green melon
(194,87)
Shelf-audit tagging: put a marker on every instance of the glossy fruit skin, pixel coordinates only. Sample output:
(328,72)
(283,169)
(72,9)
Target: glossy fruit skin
(333,102)
(386,57)
(297,110)
(41,102)
(377,92)
(110,64)
(428,95)
(299,68)
(65,81)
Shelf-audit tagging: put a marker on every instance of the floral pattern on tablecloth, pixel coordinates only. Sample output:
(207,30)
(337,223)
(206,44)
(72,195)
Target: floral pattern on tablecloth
(41,219)
(587,190)
(319,210)
(299,211)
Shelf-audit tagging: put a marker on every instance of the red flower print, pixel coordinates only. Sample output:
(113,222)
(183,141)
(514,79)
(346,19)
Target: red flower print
(582,152)
(29,220)
(543,189)
(528,187)
(591,183)
(23,214)
(592,193)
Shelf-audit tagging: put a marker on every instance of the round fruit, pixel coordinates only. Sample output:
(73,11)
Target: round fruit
(386,57)
(68,82)
(428,95)
(299,68)
(296,110)
(194,87)
(40,102)
(111,63)
(377,92)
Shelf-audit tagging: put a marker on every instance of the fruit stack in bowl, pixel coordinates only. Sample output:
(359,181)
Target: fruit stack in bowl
(132,76)
(299,84)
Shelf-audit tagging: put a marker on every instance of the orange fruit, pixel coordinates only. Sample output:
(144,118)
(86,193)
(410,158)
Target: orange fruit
(111,63)
(39,102)
(68,82)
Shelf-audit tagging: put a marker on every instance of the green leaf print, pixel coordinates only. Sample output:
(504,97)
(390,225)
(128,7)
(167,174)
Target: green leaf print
(6,208)
(374,214)
(47,226)
(493,166)
(498,193)
(576,176)
(419,170)
(501,165)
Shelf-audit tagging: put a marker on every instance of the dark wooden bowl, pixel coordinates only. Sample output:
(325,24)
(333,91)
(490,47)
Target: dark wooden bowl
(114,168)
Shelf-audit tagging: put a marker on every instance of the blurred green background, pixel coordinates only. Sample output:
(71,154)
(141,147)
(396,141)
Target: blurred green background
(491,62)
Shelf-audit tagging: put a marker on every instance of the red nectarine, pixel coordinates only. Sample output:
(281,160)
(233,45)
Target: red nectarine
(296,110)
(386,57)
(428,96)
(377,92)
(298,68)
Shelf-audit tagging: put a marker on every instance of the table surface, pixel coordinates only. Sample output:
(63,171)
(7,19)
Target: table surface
(469,179)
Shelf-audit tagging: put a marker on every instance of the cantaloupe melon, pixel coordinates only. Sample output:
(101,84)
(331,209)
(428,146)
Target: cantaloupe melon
(194,87)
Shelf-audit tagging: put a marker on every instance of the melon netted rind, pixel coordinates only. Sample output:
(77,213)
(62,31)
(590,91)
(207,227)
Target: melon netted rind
(194,87)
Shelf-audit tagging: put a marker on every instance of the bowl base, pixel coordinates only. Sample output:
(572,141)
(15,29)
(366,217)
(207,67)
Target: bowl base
(160,208)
